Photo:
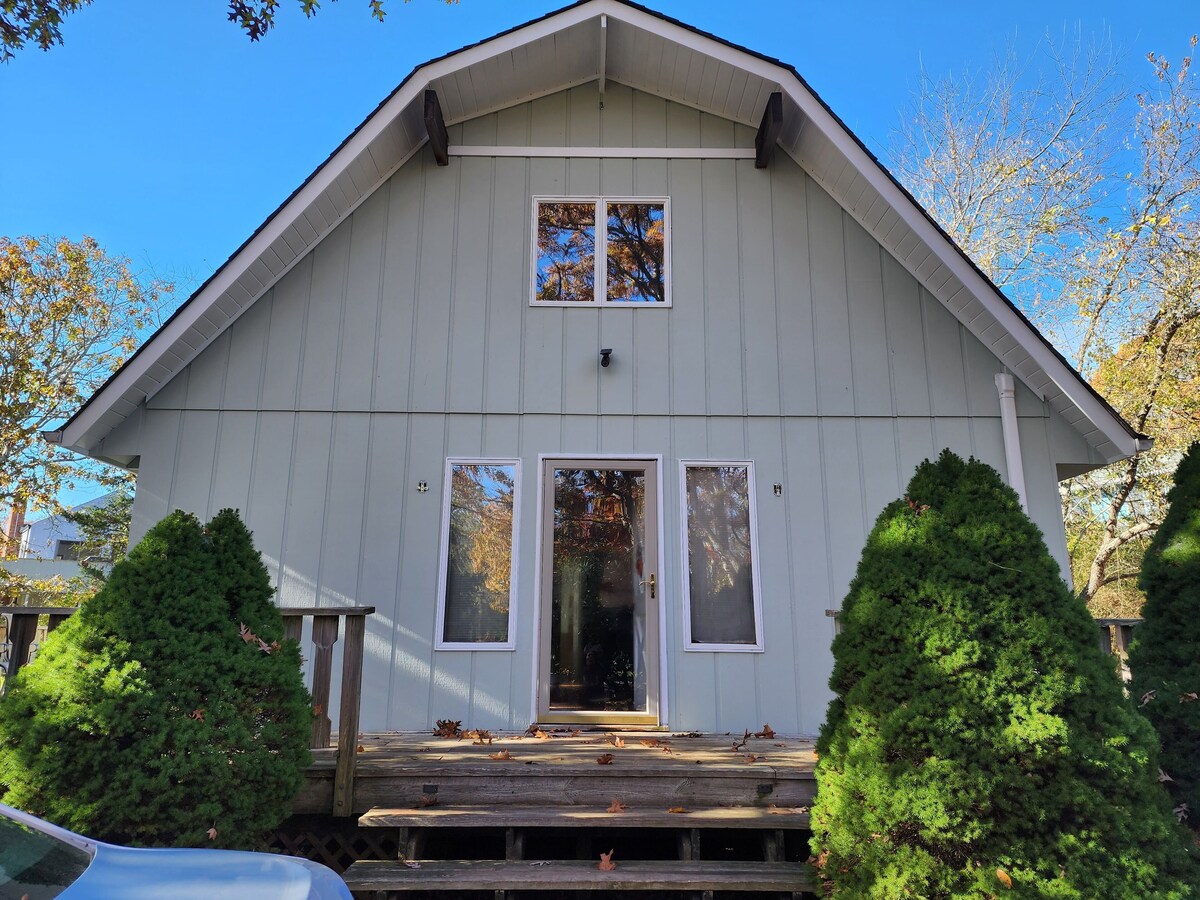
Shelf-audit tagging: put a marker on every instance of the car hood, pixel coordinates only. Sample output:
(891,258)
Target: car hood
(126,873)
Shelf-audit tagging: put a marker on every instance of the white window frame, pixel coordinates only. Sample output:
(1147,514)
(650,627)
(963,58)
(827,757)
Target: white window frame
(440,643)
(690,645)
(600,297)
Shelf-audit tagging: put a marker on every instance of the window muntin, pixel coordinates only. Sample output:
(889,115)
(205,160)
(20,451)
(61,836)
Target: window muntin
(721,566)
(601,252)
(478,556)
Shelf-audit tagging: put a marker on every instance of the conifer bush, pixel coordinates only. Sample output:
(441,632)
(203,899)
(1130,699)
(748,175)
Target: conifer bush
(1165,657)
(979,744)
(168,711)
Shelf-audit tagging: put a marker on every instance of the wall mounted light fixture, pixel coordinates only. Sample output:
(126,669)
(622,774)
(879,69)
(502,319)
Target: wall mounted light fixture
(605,357)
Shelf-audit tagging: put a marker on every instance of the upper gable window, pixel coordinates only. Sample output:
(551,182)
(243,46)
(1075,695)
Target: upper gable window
(622,261)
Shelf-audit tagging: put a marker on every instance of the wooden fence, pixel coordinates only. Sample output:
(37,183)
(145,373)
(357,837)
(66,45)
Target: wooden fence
(19,627)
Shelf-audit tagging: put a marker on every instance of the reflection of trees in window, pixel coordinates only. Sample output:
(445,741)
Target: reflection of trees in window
(720,575)
(566,260)
(635,244)
(598,560)
(632,244)
(479,556)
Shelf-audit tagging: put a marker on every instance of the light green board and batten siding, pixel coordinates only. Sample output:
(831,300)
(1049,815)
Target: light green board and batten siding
(406,337)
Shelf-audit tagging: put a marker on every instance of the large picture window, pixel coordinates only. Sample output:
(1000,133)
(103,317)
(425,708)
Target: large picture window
(605,252)
(478,563)
(721,571)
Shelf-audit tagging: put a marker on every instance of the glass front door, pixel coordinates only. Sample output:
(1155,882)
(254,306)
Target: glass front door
(599,642)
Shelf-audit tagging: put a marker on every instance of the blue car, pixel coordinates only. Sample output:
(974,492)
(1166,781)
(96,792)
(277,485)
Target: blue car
(39,861)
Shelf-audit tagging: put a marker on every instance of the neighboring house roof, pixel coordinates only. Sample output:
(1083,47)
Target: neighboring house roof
(40,538)
(623,42)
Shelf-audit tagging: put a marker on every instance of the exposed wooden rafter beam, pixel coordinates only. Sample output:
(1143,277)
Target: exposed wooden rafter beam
(768,131)
(435,125)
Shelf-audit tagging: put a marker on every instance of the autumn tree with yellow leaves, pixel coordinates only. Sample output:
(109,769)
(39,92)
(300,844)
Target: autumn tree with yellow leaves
(1083,205)
(69,317)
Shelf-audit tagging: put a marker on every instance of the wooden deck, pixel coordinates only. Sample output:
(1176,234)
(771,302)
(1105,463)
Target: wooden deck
(564,768)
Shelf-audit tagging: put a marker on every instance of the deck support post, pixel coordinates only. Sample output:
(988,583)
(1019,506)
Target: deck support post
(773,845)
(514,844)
(410,844)
(689,844)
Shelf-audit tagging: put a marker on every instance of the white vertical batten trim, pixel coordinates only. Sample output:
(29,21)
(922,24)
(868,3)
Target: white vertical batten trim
(1012,437)
(603,55)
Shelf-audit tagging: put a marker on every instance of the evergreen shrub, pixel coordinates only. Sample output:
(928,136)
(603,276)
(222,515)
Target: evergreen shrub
(979,744)
(1165,656)
(168,711)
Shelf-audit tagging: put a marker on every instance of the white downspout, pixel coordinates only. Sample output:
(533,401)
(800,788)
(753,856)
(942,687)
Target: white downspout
(1012,438)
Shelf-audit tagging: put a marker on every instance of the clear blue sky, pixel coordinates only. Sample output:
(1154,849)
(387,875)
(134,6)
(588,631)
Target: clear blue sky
(159,129)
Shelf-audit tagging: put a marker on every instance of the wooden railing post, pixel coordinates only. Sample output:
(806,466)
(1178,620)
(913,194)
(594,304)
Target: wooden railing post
(23,623)
(324,636)
(350,708)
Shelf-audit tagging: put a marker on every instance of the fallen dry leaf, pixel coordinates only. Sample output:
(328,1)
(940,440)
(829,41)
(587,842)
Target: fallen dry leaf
(1164,777)
(540,862)
(360,749)
(197,714)
(605,759)
(212,833)
(502,755)
(742,743)
(750,757)
(541,735)
(653,742)
(1181,812)
(1147,697)
(448,728)
(677,809)
(1189,697)
(616,806)
(480,736)
(767,732)
(1004,878)
(427,800)
(318,710)
(614,740)
(772,809)
(606,863)
(411,865)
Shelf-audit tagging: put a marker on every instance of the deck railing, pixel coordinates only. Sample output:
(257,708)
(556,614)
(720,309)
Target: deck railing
(22,629)
(1116,634)
(325,627)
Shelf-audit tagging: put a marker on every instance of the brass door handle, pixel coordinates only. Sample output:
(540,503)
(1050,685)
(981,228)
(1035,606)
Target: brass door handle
(649,581)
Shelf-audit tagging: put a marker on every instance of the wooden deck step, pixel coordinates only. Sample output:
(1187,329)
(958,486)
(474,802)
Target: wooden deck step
(585,817)
(579,875)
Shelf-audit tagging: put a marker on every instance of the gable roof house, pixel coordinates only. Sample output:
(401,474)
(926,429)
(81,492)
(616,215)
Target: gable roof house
(589,359)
